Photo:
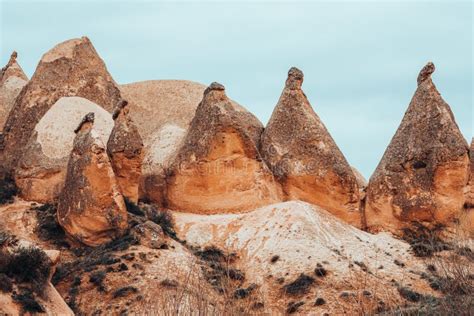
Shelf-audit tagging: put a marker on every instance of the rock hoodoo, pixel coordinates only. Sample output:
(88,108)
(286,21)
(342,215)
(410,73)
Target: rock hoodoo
(91,208)
(12,80)
(172,105)
(41,170)
(125,149)
(72,68)
(302,154)
(218,169)
(423,172)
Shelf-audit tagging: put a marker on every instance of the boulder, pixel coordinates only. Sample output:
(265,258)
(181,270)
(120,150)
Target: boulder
(125,149)
(172,105)
(424,170)
(219,169)
(304,157)
(149,234)
(41,169)
(91,208)
(12,80)
(72,68)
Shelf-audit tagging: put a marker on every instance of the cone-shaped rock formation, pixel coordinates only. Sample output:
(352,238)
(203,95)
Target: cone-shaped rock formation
(424,170)
(219,169)
(172,105)
(125,149)
(91,208)
(302,154)
(12,80)
(41,170)
(72,68)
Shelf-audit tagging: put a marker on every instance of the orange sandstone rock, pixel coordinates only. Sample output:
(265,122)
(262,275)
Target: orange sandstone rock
(91,208)
(219,169)
(302,154)
(72,68)
(424,170)
(125,149)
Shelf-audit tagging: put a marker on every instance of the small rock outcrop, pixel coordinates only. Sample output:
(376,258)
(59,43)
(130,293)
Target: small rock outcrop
(125,149)
(304,157)
(219,169)
(72,68)
(91,208)
(41,170)
(424,170)
(12,80)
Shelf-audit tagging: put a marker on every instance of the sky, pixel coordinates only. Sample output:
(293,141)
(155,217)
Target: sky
(360,58)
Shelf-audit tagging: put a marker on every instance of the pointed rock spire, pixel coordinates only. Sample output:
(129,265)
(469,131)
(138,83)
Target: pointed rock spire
(12,80)
(91,208)
(72,68)
(302,154)
(125,149)
(12,69)
(218,169)
(423,171)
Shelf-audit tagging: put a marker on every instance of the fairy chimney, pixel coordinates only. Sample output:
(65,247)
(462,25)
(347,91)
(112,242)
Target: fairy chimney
(125,149)
(305,158)
(12,80)
(72,68)
(424,170)
(219,169)
(91,208)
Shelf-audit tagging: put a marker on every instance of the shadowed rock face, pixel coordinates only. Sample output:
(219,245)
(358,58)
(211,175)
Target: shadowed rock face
(12,80)
(125,149)
(72,68)
(302,154)
(423,172)
(219,168)
(41,170)
(91,208)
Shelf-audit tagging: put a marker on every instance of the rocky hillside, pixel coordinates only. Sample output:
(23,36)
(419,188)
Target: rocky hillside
(166,197)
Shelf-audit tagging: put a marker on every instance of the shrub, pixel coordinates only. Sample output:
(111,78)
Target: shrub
(28,302)
(409,294)
(124,291)
(211,253)
(28,265)
(241,293)
(165,220)
(320,271)
(320,301)
(300,286)
(133,208)
(6,285)
(97,278)
(48,227)
(424,241)
(8,189)
(275,258)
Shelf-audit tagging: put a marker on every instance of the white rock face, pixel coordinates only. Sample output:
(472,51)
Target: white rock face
(303,235)
(56,129)
(41,170)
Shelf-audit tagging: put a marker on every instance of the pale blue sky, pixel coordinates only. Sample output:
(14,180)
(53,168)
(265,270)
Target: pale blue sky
(360,59)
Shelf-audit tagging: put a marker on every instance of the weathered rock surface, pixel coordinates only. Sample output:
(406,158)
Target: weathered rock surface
(304,157)
(91,208)
(424,170)
(12,80)
(125,149)
(41,170)
(278,242)
(71,68)
(219,168)
(172,105)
